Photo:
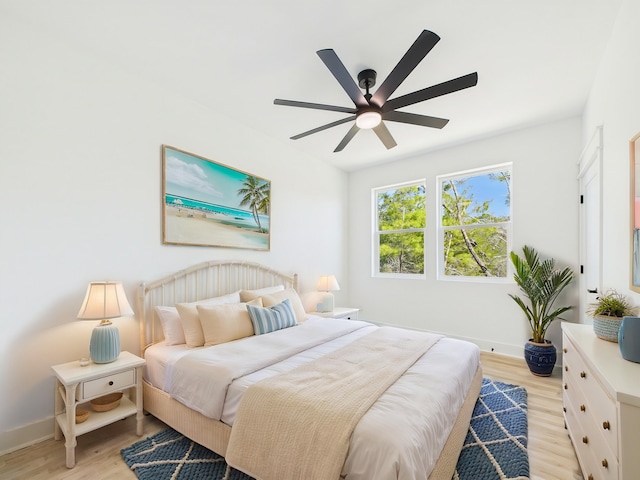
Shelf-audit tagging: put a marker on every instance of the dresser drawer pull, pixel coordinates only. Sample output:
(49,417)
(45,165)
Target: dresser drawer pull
(590,477)
(111,383)
(585,439)
(583,408)
(583,374)
(605,464)
(606,425)
(566,387)
(566,369)
(564,409)
(565,350)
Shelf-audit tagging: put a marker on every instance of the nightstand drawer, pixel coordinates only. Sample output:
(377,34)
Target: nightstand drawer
(108,384)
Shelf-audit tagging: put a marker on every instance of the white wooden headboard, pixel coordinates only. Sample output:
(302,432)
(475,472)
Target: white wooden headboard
(198,282)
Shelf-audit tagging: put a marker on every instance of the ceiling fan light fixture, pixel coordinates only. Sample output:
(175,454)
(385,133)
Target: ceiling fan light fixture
(368,119)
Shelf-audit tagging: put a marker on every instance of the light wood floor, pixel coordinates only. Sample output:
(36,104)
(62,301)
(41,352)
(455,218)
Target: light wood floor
(98,453)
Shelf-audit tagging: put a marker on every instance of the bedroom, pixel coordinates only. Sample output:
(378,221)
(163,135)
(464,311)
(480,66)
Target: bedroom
(80,175)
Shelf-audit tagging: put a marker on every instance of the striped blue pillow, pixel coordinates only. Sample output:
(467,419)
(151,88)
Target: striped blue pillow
(272,318)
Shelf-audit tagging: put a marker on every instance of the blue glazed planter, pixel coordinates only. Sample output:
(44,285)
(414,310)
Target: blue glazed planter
(540,357)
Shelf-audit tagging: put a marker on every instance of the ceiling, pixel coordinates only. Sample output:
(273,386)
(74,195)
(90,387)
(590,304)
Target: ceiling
(536,61)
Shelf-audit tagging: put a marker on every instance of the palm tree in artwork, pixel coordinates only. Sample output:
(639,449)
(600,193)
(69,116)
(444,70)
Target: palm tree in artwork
(255,194)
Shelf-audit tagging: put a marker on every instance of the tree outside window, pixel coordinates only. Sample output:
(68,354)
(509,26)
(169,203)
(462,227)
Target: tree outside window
(400,221)
(475,223)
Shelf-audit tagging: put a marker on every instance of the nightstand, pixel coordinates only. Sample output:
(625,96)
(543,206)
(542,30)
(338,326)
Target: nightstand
(76,385)
(347,313)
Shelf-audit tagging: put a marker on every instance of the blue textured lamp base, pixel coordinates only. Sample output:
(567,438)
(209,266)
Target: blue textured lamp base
(105,343)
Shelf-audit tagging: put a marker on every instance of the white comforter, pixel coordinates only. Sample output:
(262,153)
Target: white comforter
(416,413)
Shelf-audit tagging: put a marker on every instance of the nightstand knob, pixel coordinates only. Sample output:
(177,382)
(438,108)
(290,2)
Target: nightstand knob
(583,408)
(590,477)
(606,425)
(564,350)
(566,387)
(111,383)
(585,439)
(605,464)
(583,375)
(566,369)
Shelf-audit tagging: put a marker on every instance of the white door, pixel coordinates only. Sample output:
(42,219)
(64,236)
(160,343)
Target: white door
(590,178)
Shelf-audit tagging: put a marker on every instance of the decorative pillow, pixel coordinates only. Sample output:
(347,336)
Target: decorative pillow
(291,295)
(193,334)
(248,295)
(223,323)
(273,318)
(171,325)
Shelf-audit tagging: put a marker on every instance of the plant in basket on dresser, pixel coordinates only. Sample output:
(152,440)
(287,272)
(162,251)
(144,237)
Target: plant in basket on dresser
(607,314)
(542,283)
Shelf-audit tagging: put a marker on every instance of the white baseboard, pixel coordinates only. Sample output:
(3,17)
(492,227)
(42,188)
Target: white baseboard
(21,437)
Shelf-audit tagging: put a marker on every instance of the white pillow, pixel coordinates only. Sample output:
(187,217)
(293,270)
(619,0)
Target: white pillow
(193,334)
(290,294)
(171,325)
(227,322)
(248,295)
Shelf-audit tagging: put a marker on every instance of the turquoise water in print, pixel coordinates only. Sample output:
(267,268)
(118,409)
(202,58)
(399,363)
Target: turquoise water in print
(235,214)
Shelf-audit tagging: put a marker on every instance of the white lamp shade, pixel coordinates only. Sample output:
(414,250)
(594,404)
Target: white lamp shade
(328,283)
(104,300)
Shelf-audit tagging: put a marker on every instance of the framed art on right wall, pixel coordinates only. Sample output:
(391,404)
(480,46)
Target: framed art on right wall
(634,157)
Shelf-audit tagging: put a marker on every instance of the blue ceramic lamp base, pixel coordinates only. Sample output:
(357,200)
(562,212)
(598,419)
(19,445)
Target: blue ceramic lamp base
(105,343)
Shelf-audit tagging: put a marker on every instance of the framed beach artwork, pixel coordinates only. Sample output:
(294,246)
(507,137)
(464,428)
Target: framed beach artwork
(207,203)
(634,157)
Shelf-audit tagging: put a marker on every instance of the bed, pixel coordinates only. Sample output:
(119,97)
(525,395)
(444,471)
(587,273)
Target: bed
(415,429)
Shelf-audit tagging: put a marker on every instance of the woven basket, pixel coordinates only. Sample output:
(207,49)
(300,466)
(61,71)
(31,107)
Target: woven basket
(106,403)
(607,328)
(81,415)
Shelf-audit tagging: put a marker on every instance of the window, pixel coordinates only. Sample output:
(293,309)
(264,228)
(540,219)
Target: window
(474,231)
(400,218)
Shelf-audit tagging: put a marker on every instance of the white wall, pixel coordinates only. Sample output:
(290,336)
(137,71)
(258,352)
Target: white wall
(545,215)
(614,103)
(80,178)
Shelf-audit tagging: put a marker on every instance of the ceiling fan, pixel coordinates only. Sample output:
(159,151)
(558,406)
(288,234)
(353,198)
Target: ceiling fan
(370,111)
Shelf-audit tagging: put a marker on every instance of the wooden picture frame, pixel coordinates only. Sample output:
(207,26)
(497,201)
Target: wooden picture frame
(634,163)
(206,203)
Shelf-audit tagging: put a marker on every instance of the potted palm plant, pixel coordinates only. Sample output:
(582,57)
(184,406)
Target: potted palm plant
(607,314)
(541,283)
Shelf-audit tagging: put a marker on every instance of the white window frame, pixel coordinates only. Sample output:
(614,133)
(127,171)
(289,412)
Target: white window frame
(375,232)
(440,229)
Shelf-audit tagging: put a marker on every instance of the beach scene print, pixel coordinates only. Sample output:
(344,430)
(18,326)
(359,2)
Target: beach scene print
(207,203)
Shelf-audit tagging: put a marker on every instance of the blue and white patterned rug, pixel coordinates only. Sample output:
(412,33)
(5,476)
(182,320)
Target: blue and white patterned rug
(495,447)
(496,444)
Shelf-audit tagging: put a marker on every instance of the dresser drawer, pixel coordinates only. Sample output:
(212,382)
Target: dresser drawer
(108,384)
(593,399)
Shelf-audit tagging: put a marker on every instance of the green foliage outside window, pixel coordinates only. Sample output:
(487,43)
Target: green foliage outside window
(474,220)
(401,222)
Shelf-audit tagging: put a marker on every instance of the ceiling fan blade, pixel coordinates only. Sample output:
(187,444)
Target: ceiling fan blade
(337,68)
(317,106)
(323,127)
(443,88)
(385,135)
(347,138)
(423,45)
(415,119)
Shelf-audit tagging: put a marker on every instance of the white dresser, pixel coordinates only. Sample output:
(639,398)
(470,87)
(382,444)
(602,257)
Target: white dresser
(601,397)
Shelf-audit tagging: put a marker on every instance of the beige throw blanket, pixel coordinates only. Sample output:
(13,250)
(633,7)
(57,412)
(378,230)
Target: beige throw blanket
(297,425)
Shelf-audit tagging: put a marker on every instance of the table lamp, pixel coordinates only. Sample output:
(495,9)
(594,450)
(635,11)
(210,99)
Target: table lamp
(103,301)
(327,284)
